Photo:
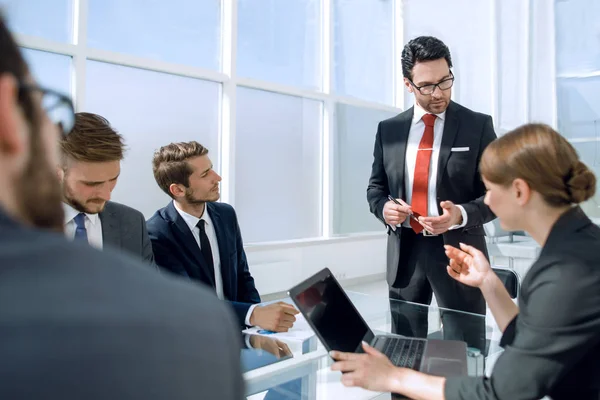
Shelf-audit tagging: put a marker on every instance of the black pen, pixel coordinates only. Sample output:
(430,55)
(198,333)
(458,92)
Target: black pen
(403,205)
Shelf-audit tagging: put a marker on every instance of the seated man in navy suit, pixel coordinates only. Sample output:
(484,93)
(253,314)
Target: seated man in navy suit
(195,237)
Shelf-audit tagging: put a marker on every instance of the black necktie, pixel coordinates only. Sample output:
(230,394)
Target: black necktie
(206,250)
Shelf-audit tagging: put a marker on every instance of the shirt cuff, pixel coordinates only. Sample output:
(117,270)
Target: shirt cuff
(464,218)
(249,314)
(247,341)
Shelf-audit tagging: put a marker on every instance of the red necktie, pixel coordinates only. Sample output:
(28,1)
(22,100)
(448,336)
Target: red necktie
(421,178)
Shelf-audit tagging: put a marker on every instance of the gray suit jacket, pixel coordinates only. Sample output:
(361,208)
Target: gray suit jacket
(124,228)
(458,177)
(77,323)
(552,347)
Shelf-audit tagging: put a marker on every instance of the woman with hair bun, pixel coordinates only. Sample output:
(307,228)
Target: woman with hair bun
(535,181)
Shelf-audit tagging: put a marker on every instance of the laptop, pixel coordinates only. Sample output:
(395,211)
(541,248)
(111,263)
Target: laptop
(339,326)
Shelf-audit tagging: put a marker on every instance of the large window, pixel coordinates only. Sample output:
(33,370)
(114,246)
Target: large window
(355,129)
(49,19)
(578,82)
(277,174)
(279,41)
(178,31)
(286,94)
(363,49)
(151,109)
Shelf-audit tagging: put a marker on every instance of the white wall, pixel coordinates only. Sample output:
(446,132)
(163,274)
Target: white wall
(278,267)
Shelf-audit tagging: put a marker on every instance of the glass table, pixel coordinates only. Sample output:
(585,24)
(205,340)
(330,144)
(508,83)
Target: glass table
(278,367)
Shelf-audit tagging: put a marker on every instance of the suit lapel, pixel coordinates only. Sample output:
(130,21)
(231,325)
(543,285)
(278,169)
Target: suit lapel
(223,249)
(451,126)
(111,227)
(184,236)
(398,158)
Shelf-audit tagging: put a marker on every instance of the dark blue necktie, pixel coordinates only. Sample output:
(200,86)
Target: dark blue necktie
(80,231)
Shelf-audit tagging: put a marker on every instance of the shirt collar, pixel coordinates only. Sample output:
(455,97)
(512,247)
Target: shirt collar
(420,111)
(190,220)
(71,213)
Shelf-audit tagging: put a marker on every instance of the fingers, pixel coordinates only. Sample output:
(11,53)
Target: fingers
(345,366)
(350,379)
(371,350)
(342,356)
(447,204)
(288,308)
(285,350)
(455,254)
(453,273)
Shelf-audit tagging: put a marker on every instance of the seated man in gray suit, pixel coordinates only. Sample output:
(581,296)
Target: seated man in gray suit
(78,323)
(89,169)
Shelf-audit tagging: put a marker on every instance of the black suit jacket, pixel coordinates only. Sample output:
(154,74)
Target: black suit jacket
(553,345)
(124,228)
(78,323)
(458,178)
(176,250)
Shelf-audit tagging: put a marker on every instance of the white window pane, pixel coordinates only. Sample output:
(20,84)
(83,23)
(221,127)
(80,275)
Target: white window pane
(353,157)
(579,121)
(277,166)
(278,41)
(151,109)
(363,49)
(178,31)
(577,35)
(49,69)
(49,19)
(464,26)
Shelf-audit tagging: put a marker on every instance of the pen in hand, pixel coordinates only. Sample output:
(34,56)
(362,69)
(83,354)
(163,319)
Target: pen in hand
(403,205)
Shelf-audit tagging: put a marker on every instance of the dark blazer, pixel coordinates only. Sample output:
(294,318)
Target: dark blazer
(176,250)
(552,347)
(458,178)
(124,228)
(78,323)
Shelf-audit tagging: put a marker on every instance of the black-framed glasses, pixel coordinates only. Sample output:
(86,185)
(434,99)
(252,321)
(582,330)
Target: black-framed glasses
(429,89)
(57,106)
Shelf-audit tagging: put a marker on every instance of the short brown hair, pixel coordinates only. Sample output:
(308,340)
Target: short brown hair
(170,165)
(544,159)
(92,140)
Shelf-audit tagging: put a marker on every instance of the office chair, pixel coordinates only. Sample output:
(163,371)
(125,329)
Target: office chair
(510,279)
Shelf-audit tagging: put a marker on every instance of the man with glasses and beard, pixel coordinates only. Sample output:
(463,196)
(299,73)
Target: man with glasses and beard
(79,323)
(89,169)
(425,187)
(199,239)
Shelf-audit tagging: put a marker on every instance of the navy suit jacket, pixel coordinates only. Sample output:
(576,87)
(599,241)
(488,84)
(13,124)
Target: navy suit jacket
(176,250)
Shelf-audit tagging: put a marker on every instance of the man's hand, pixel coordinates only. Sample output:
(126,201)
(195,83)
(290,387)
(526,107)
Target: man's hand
(276,317)
(395,214)
(273,346)
(437,225)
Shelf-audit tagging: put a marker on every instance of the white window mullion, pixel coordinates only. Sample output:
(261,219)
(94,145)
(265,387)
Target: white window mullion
(228,105)
(398,44)
(80,16)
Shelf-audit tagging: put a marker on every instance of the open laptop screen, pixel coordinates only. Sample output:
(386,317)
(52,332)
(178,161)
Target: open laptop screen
(332,315)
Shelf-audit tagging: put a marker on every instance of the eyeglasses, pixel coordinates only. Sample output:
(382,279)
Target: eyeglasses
(429,89)
(57,106)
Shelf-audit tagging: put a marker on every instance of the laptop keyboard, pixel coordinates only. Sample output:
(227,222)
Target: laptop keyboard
(402,352)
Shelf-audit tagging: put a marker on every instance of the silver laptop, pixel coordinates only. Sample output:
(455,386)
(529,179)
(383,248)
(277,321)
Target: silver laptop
(339,326)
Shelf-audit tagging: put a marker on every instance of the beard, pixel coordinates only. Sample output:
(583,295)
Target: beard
(83,207)
(38,189)
(192,199)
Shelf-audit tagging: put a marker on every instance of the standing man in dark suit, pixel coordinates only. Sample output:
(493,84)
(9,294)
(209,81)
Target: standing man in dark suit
(198,238)
(90,167)
(427,159)
(78,323)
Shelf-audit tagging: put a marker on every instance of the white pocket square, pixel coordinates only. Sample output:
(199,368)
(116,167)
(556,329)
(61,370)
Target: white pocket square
(460,149)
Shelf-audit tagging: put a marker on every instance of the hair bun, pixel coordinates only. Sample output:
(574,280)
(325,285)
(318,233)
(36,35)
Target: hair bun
(580,183)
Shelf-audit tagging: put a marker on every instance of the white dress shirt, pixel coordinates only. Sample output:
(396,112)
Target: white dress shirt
(192,222)
(93,226)
(417,128)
